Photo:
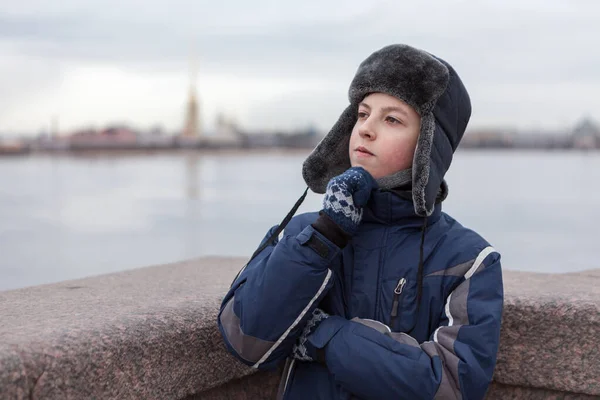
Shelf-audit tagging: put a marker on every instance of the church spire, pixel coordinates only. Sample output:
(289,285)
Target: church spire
(193,127)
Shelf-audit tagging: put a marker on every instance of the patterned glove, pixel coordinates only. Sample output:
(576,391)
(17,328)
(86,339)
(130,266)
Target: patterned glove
(301,350)
(345,197)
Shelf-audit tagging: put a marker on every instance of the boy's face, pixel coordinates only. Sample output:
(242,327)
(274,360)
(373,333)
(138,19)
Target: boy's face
(385,135)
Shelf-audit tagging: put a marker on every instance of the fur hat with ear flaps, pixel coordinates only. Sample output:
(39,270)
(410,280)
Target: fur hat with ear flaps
(428,84)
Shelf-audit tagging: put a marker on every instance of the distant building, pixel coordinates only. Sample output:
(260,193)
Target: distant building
(192,125)
(302,139)
(192,128)
(513,139)
(493,138)
(112,137)
(586,135)
(226,132)
(13,147)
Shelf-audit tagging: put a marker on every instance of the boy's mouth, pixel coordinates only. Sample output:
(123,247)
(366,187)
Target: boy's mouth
(363,150)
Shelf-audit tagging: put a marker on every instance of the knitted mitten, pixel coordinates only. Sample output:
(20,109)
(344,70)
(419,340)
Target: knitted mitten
(345,196)
(302,350)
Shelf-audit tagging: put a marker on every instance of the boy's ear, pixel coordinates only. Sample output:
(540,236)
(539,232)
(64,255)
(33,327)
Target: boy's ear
(331,156)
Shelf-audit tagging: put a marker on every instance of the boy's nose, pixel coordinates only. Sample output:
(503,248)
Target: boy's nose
(365,131)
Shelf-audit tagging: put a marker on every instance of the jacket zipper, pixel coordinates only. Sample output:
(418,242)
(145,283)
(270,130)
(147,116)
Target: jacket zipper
(396,303)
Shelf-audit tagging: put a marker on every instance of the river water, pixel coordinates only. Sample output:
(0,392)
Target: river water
(68,217)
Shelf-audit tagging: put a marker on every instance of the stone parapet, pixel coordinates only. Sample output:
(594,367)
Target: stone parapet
(151,333)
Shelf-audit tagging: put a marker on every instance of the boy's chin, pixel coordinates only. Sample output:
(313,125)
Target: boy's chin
(366,167)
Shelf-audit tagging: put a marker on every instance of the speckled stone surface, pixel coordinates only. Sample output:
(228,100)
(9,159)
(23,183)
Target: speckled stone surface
(499,391)
(260,386)
(151,333)
(551,332)
(148,333)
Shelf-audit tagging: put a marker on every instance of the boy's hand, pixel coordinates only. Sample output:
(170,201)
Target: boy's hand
(302,350)
(345,197)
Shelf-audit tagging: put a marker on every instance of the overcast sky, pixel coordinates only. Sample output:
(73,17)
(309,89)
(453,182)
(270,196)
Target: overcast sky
(285,64)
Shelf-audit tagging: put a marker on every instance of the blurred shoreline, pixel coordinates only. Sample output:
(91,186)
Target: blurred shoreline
(118,153)
(124,140)
(110,153)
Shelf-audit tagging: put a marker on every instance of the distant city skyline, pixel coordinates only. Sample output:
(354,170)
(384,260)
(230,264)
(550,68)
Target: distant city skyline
(271,65)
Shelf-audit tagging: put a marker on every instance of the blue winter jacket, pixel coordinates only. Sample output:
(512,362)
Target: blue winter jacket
(445,348)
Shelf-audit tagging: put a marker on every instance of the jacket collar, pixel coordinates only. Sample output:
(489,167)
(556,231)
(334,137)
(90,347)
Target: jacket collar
(395,207)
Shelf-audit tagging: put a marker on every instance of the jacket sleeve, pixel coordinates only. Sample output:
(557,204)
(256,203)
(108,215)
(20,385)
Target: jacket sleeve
(457,362)
(269,302)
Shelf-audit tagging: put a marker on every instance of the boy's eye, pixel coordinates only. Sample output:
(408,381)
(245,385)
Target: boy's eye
(393,120)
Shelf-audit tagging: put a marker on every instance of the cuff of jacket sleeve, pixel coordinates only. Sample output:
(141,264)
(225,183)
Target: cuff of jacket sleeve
(310,237)
(317,341)
(328,228)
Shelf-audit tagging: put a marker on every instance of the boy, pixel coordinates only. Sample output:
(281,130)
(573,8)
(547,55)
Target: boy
(380,295)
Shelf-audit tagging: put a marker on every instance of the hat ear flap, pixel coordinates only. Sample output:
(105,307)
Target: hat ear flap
(432,158)
(331,156)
